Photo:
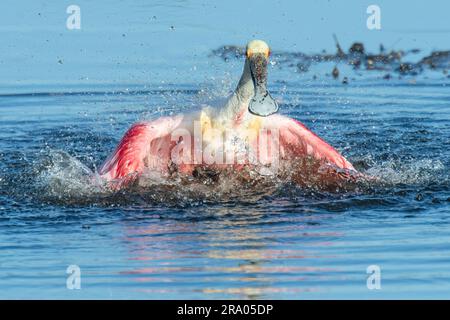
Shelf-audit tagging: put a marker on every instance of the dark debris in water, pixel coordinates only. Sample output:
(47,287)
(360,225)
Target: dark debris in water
(356,56)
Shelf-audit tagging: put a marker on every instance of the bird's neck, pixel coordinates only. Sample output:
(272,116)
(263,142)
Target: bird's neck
(236,107)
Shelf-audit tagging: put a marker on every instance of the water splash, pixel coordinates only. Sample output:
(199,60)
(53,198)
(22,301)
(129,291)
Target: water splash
(59,178)
(59,174)
(410,171)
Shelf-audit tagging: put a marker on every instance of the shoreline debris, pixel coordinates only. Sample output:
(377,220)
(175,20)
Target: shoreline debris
(389,61)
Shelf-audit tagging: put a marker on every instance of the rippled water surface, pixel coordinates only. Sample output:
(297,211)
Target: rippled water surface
(277,241)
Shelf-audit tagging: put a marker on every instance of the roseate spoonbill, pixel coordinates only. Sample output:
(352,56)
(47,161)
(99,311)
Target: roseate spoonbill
(244,132)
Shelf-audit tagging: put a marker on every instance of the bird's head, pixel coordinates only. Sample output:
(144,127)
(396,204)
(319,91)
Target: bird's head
(256,47)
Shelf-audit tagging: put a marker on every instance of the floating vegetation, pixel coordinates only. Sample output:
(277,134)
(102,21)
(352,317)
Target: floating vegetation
(397,61)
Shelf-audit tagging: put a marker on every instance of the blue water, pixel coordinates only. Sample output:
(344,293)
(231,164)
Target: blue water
(66,98)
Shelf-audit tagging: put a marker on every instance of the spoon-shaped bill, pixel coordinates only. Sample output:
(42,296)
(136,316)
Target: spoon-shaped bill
(262,103)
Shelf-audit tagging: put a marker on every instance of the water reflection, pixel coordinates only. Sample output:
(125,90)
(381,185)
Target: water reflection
(233,255)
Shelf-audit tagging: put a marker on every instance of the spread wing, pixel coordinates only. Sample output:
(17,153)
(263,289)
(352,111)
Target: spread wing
(128,158)
(298,141)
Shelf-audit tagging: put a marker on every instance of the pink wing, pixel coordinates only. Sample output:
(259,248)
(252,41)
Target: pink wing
(128,160)
(298,141)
